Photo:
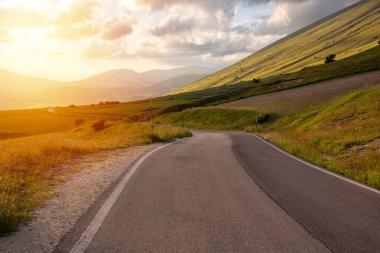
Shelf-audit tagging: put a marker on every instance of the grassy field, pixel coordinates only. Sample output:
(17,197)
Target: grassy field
(32,122)
(30,165)
(345,33)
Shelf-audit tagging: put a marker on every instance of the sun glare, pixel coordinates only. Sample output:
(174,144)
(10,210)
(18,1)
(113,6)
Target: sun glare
(30,40)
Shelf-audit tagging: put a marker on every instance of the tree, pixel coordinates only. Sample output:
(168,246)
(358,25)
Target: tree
(330,58)
(256,80)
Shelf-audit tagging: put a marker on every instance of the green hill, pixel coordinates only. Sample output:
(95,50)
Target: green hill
(345,33)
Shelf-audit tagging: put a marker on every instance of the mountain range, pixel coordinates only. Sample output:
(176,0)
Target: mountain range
(18,91)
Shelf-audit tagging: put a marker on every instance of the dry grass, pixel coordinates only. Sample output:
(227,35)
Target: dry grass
(28,166)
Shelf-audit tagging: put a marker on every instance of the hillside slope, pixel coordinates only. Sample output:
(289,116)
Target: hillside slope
(345,33)
(292,100)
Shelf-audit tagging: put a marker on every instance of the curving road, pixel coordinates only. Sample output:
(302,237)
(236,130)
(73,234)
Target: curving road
(229,192)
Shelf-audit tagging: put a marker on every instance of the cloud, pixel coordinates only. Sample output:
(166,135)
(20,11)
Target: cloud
(5,36)
(174,24)
(89,20)
(103,49)
(20,17)
(154,5)
(170,29)
(212,33)
(289,16)
(74,32)
(117,27)
(78,11)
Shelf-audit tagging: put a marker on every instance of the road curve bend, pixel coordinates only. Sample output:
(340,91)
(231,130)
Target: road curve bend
(232,192)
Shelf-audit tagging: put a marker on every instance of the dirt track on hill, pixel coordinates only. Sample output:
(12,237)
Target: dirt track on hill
(292,100)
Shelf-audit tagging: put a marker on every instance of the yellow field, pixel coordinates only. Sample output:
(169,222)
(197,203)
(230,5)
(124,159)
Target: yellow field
(31,122)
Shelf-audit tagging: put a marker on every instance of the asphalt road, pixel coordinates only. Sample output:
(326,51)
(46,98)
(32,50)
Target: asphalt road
(230,192)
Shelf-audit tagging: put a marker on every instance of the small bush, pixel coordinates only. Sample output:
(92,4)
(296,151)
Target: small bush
(109,103)
(99,125)
(256,80)
(79,122)
(330,58)
(72,106)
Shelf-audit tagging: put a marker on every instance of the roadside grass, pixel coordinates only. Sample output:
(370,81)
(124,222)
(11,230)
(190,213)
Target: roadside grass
(30,165)
(213,118)
(343,136)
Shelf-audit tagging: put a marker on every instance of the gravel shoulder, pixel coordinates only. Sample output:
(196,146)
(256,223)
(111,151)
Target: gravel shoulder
(73,197)
(290,101)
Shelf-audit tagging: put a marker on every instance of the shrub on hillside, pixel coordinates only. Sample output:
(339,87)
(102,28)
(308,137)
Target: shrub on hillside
(256,80)
(99,125)
(109,103)
(79,122)
(330,58)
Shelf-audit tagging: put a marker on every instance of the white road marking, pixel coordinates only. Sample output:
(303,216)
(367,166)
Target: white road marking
(319,168)
(95,224)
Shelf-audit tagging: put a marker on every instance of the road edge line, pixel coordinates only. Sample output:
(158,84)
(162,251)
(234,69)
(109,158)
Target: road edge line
(331,173)
(87,236)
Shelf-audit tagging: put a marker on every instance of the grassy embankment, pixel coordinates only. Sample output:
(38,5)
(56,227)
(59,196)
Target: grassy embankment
(30,165)
(342,136)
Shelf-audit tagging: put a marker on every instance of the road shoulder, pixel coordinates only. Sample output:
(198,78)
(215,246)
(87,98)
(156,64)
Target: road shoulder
(73,198)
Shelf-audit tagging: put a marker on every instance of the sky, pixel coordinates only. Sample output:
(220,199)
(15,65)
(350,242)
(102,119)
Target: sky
(73,39)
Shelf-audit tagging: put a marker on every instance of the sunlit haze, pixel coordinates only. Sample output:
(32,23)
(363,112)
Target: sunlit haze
(73,39)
